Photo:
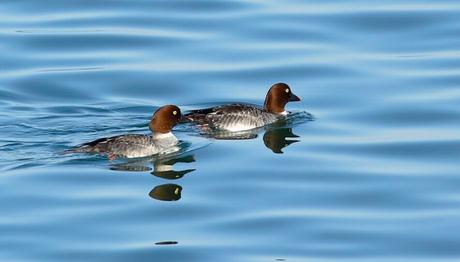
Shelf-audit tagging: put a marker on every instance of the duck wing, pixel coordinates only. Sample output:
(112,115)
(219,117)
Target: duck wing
(114,144)
(201,116)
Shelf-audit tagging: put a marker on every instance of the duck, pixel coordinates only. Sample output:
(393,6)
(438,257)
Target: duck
(238,117)
(160,141)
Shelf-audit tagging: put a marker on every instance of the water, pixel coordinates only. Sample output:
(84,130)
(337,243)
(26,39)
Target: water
(373,178)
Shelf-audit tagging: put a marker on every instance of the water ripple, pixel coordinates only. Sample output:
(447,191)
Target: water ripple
(373,178)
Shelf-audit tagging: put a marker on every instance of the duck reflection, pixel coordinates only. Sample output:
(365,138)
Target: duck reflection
(164,168)
(276,137)
(160,167)
(166,192)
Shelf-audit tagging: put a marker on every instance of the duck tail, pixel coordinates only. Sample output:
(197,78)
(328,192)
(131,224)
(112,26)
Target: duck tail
(79,149)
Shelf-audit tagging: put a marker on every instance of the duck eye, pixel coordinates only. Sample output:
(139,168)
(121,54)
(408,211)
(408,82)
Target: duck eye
(174,112)
(287,90)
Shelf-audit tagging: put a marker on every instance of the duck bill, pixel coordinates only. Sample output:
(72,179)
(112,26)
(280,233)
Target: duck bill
(294,98)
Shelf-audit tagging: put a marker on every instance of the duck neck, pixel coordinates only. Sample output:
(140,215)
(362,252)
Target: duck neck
(163,136)
(273,106)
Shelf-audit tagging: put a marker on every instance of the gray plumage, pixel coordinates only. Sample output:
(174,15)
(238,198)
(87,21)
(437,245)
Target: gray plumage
(130,146)
(232,117)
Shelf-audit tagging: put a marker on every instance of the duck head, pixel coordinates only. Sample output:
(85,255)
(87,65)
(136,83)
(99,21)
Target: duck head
(164,119)
(277,98)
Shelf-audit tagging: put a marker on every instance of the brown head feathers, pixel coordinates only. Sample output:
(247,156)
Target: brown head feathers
(277,98)
(164,119)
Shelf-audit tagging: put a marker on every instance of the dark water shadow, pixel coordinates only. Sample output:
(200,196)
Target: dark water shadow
(162,167)
(278,139)
(166,192)
(165,243)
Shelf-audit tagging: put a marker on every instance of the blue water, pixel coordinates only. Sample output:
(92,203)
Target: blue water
(373,176)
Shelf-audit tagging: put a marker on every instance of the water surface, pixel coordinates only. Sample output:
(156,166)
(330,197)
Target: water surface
(373,178)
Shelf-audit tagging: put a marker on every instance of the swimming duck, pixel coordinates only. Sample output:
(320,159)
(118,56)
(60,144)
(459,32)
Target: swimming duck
(239,117)
(161,141)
